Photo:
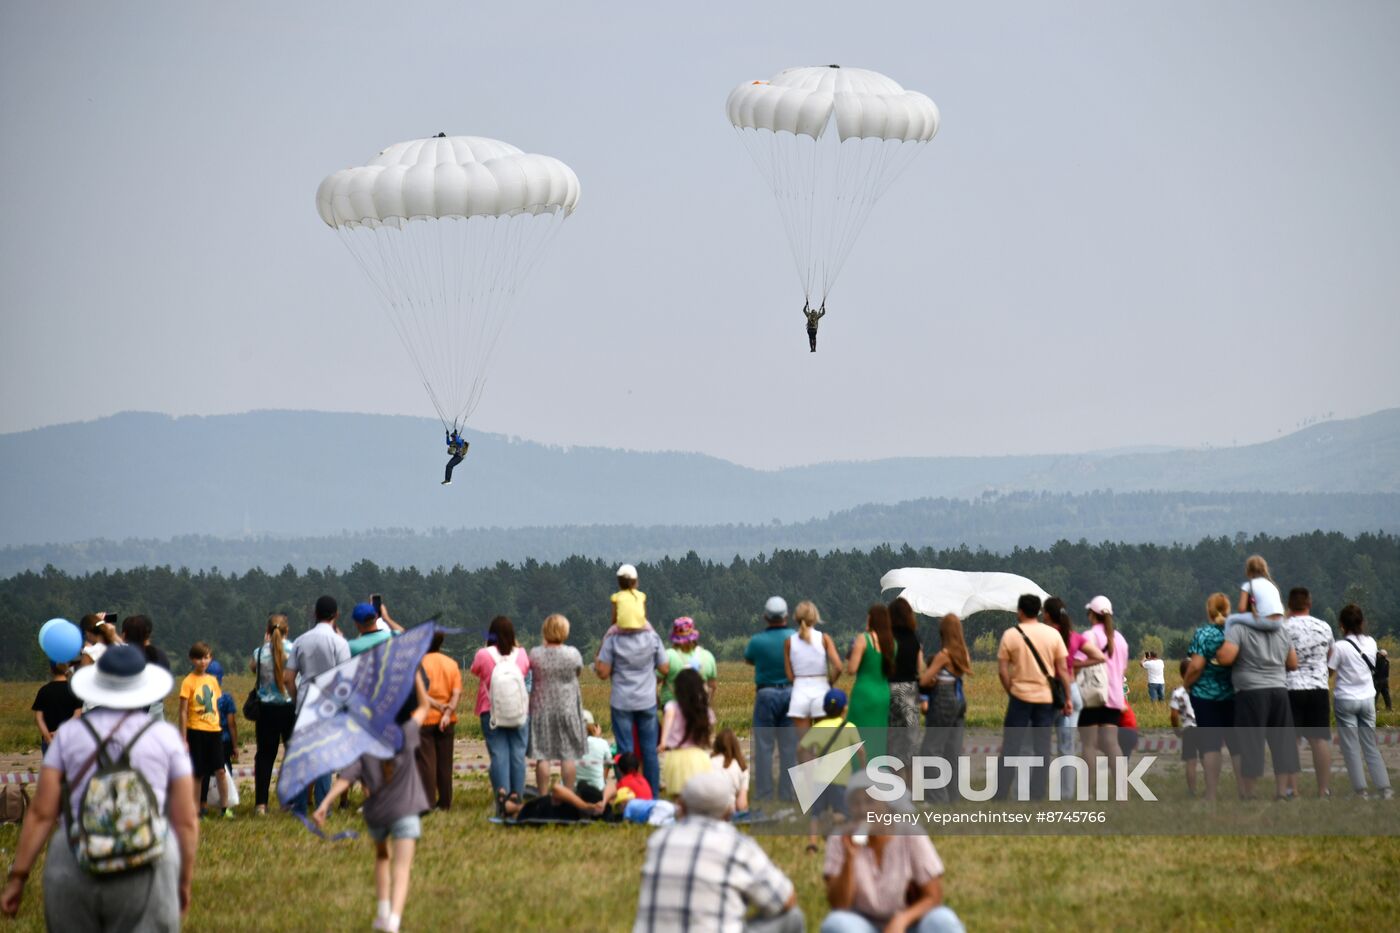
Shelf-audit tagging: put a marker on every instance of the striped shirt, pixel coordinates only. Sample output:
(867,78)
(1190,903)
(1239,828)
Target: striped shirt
(703,874)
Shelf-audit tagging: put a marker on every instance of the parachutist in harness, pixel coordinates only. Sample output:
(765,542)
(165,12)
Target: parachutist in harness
(456,450)
(813,318)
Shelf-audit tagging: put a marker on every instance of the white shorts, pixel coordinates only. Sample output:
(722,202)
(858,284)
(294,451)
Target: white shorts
(807,696)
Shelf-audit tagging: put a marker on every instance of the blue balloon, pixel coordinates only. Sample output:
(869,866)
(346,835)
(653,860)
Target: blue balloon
(61,640)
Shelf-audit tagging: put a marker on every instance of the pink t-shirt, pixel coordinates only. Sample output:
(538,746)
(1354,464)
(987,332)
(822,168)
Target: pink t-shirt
(1076,649)
(675,736)
(881,890)
(1117,662)
(482,666)
(159,757)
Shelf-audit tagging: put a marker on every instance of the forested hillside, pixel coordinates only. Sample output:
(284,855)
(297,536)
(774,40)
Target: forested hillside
(1156,590)
(994,522)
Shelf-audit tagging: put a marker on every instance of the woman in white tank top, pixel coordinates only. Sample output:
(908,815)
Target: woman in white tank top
(810,657)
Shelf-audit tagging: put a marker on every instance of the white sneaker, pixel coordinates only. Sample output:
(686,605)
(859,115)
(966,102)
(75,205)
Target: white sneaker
(447,482)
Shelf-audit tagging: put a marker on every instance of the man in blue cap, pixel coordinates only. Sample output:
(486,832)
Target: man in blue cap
(456,450)
(371,632)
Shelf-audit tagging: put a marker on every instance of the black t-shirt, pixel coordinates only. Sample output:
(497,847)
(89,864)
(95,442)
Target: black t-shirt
(906,656)
(157,657)
(57,702)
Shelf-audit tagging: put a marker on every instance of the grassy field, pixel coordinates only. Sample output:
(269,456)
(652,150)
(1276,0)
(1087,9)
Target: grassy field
(256,874)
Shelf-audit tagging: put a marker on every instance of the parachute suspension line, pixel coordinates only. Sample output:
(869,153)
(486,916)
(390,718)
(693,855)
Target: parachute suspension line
(357,239)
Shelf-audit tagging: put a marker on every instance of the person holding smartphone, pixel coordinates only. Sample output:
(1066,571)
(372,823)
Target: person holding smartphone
(384,622)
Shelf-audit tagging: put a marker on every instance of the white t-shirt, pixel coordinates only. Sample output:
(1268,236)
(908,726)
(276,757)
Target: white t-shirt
(1354,679)
(1156,671)
(1311,639)
(1267,601)
(1181,702)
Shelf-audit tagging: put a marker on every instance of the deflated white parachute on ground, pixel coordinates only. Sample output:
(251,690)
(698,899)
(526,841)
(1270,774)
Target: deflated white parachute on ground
(934,592)
(829,141)
(447,229)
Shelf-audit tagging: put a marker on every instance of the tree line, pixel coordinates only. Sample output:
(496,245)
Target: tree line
(1158,591)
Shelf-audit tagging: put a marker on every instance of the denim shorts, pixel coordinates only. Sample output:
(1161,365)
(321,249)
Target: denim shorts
(405,827)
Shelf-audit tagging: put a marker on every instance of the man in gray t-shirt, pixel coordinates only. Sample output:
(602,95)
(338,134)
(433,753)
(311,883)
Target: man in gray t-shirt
(313,654)
(1262,661)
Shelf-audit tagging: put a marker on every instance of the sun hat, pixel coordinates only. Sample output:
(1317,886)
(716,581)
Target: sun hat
(121,679)
(775,608)
(1100,605)
(709,793)
(363,612)
(588,718)
(683,631)
(628,571)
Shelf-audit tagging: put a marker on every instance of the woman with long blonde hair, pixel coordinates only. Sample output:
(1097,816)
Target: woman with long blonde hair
(276,710)
(812,665)
(947,704)
(1212,690)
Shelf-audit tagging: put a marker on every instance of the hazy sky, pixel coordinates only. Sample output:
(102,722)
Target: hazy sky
(1167,223)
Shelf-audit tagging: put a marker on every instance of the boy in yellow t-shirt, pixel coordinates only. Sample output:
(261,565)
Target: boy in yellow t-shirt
(629,604)
(199,722)
(826,737)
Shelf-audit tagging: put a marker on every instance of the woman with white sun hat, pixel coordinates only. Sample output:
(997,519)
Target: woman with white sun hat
(147,885)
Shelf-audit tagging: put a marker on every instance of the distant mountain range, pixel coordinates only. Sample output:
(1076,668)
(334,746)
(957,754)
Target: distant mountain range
(304,475)
(994,522)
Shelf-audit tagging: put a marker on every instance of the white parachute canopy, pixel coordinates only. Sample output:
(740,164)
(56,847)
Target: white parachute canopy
(448,228)
(936,593)
(829,141)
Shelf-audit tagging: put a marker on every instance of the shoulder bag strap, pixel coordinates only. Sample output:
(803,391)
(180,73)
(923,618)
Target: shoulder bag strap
(1362,653)
(836,734)
(1035,654)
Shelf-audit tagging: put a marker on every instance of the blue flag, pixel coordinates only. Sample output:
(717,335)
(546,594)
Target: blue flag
(350,709)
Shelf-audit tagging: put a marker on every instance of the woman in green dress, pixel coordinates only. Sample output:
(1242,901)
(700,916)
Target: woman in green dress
(872,663)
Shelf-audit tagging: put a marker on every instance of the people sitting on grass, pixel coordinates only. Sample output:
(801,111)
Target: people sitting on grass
(686,726)
(562,805)
(394,803)
(631,779)
(701,873)
(877,882)
(593,766)
(728,758)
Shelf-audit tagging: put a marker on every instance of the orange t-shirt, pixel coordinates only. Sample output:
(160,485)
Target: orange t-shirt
(444,678)
(1027,682)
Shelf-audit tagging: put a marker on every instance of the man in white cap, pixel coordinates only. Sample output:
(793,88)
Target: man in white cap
(702,874)
(772,696)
